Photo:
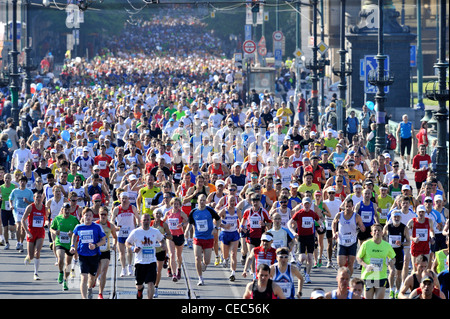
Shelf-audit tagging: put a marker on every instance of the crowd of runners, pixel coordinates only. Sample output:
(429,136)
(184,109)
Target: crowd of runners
(150,149)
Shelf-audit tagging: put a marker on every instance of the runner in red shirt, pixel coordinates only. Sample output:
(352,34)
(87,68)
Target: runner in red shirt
(305,233)
(103,161)
(422,234)
(33,221)
(421,163)
(317,170)
(263,254)
(257,218)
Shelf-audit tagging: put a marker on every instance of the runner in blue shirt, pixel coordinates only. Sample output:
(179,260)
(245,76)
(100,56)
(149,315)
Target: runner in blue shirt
(202,219)
(86,241)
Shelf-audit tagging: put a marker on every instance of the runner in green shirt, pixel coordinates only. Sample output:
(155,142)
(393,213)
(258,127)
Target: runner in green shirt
(372,256)
(62,227)
(385,203)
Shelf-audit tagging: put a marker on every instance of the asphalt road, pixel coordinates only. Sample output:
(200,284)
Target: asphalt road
(16,279)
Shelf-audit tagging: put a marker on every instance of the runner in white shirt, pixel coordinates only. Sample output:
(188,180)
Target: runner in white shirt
(333,205)
(143,241)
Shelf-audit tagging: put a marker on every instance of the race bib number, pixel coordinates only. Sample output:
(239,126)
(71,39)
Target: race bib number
(38,221)
(202,225)
(173,223)
(64,237)
(307,222)
(255,222)
(366,216)
(422,234)
(86,236)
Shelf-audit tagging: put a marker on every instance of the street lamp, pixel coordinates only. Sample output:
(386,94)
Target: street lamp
(380,79)
(28,67)
(342,72)
(314,66)
(14,72)
(441,94)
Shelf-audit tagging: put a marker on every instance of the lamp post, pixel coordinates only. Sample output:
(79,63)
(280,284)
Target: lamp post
(342,72)
(28,67)
(14,73)
(314,66)
(442,96)
(380,79)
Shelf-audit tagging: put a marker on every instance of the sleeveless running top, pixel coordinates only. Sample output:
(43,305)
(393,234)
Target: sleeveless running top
(347,234)
(334,294)
(125,219)
(266,294)
(285,280)
(107,230)
(367,214)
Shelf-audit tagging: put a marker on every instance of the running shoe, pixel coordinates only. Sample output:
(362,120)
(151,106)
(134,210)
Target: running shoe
(200,282)
(179,274)
(307,279)
(123,273)
(100,296)
(17,246)
(243,258)
(232,278)
(169,273)
(26,261)
(130,270)
(174,279)
(6,246)
(155,294)
(60,278)
(392,295)
(21,248)
(65,287)
(89,293)
(217,262)
(36,277)
(203,266)
(329,264)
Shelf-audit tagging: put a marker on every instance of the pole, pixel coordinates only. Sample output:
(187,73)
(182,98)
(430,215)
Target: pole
(298,44)
(381,80)
(314,92)
(442,96)
(277,26)
(27,80)
(342,73)
(14,87)
(322,75)
(419,56)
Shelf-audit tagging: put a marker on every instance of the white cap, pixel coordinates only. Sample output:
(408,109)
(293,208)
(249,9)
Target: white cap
(266,237)
(421,208)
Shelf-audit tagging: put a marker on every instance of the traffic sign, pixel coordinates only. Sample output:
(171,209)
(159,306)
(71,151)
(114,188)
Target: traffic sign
(249,47)
(277,36)
(278,54)
(322,48)
(262,42)
(412,56)
(370,66)
(262,51)
(298,53)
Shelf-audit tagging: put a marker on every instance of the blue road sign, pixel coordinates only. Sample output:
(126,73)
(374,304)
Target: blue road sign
(248,32)
(370,66)
(412,56)
(278,55)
